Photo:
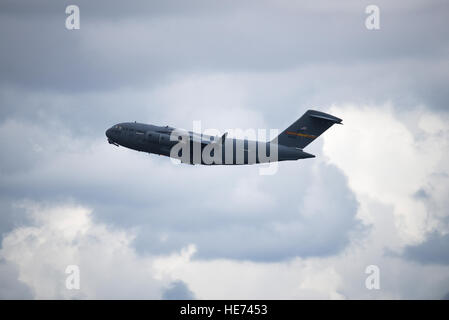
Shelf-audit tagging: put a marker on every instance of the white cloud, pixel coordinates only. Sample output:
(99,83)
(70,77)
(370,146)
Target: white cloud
(387,162)
(66,235)
(228,279)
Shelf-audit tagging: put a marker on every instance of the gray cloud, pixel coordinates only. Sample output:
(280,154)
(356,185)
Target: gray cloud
(178,290)
(147,44)
(434,250)
(10,286)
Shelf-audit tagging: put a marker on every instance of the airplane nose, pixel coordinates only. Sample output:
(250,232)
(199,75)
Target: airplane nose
(108,133)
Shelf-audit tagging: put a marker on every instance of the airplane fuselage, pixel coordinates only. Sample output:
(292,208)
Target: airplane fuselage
(196,148)
(157,140)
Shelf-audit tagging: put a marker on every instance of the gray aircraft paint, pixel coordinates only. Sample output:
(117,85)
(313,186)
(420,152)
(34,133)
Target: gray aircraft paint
(161,139)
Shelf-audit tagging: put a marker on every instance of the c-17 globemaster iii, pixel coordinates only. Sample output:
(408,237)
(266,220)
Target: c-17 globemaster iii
(196,148)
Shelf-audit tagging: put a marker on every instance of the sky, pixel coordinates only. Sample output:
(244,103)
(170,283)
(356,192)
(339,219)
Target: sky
(139,227)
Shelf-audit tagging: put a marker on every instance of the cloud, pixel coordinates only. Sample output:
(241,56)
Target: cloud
(385,162)
(396,164)
(110,268)
(147,44)
(435,249)
(10,286)
(251,280)
(341,276)
(178,291)
(66,235)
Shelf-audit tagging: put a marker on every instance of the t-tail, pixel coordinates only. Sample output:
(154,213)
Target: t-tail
(306,129)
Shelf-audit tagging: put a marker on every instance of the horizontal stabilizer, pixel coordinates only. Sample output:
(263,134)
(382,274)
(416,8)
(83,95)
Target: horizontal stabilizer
(326,117)
(305,155)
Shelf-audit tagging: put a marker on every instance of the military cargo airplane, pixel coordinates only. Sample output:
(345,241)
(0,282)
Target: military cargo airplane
(212,150)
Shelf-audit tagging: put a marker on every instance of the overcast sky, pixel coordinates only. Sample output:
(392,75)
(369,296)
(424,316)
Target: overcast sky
(139,226)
